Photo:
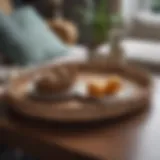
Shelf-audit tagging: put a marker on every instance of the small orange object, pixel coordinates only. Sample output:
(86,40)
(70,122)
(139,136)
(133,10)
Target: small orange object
(113,85)
(96,90)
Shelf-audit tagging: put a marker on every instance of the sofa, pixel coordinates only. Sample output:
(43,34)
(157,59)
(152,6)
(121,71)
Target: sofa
(145,25)
(141,44)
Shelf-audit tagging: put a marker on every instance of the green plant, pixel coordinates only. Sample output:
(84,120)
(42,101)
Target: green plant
(101,22)
(104,21)
(99,19)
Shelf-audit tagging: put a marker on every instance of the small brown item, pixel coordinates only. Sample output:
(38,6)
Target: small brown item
(47,84)
(96,90)
(113,85)
(57,80)
(66,74)
(66,30)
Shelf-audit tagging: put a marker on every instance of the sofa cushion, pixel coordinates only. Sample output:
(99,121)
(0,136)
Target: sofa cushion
(26,39)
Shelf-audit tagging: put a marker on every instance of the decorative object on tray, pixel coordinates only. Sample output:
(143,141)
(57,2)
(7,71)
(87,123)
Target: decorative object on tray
(111,86)
(103,20)
(116,53)
(54,82)
(99,91)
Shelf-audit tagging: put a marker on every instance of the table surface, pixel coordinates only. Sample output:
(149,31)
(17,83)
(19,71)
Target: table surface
(130,138)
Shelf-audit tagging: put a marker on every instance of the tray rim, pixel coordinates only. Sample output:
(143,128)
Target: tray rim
(139,103)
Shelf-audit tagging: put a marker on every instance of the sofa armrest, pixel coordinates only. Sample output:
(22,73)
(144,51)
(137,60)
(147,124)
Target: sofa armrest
(145,25)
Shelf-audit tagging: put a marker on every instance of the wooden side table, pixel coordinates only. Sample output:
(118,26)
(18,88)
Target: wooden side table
(136,137)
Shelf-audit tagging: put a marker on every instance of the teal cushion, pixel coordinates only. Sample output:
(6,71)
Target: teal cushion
(26,39)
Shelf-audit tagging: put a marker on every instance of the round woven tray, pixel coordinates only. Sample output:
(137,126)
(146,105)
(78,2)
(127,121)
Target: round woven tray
(88,109)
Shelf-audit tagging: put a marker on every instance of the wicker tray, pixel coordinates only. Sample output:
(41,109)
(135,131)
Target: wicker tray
(85,109)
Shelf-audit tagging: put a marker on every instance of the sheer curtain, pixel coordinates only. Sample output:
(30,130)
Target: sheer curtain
(131,7)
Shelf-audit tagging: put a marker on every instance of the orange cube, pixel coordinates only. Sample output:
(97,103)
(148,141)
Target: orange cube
(113,85)
(96,90)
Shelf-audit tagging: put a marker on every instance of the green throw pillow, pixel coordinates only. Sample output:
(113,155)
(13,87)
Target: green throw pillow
(26,39)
